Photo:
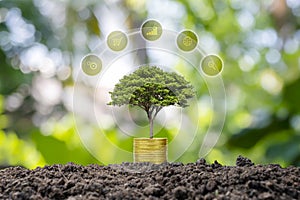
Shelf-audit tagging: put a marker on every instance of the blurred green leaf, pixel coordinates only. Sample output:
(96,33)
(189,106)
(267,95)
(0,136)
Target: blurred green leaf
(55,151)
(290,150)
(291,95)
(248,137)
(93,25)
(10,78)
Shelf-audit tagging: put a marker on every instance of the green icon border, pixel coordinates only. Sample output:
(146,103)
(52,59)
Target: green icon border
(147,28)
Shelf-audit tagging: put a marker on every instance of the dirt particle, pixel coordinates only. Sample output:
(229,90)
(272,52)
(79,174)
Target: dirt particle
(265,196)
(180,192)
(216,165)
(242,161)
(201,161)
(154,190)
(211,185)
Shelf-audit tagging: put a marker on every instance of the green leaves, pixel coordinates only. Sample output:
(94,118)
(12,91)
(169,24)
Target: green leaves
(150,86)
(151,89)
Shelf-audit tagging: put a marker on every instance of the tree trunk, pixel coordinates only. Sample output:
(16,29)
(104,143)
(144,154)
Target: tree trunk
(151,127)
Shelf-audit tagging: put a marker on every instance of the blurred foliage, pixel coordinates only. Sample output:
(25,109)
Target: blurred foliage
(42,42)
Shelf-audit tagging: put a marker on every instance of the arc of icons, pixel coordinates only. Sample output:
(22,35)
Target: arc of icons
(213,81)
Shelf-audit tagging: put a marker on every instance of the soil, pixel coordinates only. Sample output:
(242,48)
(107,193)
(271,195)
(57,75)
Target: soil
(149,181)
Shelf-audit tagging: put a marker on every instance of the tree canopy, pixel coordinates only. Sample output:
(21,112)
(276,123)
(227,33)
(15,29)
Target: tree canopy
(151,89)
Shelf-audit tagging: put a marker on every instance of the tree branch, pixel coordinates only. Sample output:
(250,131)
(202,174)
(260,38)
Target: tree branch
(157,110)
(151,110)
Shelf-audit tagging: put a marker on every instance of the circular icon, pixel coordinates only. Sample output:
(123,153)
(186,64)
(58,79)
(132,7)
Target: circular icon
(212,65)
(91,65)
(151,30)
(117,41)
(187,40)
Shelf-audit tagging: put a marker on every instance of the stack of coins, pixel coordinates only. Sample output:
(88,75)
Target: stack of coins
(152,150)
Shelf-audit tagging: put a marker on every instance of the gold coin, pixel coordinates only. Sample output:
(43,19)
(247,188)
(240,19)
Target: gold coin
(150,150)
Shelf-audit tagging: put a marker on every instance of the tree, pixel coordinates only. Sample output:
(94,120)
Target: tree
(151,89)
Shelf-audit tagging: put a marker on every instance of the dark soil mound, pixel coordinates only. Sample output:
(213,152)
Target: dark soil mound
(148,181)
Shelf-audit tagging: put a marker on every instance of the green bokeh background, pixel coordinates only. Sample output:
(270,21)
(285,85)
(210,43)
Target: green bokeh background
(42,43)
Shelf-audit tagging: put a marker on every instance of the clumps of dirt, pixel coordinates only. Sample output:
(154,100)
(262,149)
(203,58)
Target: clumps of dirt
(243,162)
(198,180)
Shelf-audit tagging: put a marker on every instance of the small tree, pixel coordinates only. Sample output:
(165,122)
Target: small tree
(151,89)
